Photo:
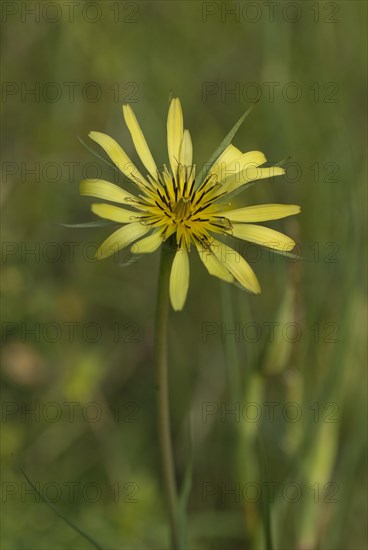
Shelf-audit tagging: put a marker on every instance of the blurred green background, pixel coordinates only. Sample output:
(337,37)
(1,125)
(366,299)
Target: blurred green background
(274,384)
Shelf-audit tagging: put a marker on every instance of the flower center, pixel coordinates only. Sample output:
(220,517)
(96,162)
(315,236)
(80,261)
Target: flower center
(182,209)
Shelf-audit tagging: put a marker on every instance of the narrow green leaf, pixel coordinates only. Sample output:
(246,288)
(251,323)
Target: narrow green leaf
(221,148)
(56,511)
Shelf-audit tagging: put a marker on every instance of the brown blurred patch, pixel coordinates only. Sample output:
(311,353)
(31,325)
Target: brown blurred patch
(22,364)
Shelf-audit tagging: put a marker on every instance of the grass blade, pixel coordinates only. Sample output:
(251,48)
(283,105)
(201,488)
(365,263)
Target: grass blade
(56,511)
(185,491)
(265,503)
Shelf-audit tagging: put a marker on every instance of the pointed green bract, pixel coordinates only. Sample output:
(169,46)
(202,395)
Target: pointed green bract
(287,254)
(221,148)
(97,155)
(88,224)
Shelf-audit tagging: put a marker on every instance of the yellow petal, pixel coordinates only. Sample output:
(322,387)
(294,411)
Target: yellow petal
(237,266)
(251,173)
(219,169)
(121,238)
(118,156)
(148,244)
(237,170)
(139,140)
(186,150)
(114,213)
(261,213)
(105,190)
(263,236)
(229,155)
(174,133)
(179,279)
(213,265)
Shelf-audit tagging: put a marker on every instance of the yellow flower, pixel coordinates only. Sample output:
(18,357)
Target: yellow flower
(169,202)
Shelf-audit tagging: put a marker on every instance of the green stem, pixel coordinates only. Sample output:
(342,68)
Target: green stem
(163,390)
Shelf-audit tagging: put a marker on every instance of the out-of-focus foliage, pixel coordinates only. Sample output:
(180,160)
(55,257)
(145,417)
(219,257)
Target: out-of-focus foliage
(274,384)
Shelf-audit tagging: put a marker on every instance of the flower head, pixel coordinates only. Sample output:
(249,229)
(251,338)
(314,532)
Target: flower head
(170,203)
